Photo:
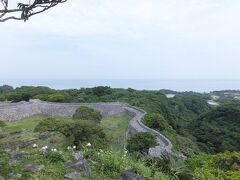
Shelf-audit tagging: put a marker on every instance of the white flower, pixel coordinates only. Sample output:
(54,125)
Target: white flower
(74,147)
(89,145)
(43,148)
(54,150)
(35,145)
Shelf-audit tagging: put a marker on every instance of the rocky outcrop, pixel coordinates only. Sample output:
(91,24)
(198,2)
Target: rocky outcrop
(129,175)
(21,110)
(73,176)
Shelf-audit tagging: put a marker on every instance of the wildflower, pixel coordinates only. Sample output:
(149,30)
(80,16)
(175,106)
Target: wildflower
(54,150)
(74,147)
(35,145)
(89,145)
(44,150)
(44,147)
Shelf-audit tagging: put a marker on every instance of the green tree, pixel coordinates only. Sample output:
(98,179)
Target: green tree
(87,131)
(81,131)
(86,113)
(56,97)
(141,142)
(156,121)
(101,90)
(6,88)
(53,124)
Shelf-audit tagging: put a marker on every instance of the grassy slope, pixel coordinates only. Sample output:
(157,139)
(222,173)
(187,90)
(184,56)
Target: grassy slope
(115,128)
(26,127)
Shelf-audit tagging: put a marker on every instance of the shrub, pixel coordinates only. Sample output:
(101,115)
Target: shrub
(86,131)
(110,164)
(2,124)
(53,124)
(173,166)
(7,170)
(6,88)
(156,121)
(160,176)
(218,166)
(57,97)
(55,157)
(86,113)
(141,142)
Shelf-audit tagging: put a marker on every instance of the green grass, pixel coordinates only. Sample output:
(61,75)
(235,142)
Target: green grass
(26,126)
(115,128)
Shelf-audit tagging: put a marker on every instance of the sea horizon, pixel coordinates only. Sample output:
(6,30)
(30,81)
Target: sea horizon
(181,85)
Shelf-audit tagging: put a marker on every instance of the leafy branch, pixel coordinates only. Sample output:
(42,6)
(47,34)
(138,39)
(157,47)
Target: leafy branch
(25,11)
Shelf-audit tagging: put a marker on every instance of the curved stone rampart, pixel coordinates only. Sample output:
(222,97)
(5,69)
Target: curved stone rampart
(21,110)
(136,125)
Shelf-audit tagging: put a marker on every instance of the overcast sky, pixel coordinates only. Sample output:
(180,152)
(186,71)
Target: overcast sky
(135,39)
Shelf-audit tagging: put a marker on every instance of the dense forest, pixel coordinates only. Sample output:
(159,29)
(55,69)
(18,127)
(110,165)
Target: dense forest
(192,124)
(218,130)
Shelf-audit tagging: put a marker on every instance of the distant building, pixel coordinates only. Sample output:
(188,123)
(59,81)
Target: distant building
(214,97)
(237,97)
(170,95)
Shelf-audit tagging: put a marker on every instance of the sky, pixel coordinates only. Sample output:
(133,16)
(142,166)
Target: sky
(125,39)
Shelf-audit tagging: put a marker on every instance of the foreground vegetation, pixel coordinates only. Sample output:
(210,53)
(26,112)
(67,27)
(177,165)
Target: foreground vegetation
(26,142)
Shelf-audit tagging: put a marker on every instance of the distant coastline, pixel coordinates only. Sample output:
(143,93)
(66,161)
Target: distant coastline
(139,84)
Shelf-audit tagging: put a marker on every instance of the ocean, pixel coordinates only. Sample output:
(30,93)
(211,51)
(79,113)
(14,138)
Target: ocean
(140,84)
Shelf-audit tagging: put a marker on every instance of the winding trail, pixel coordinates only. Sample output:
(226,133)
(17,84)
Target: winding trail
(21,110)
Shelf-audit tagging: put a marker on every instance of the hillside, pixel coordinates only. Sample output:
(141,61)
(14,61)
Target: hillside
(218,130)
(193,126)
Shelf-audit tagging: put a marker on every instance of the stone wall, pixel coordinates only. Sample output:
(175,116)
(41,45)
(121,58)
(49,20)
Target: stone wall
(21,110)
